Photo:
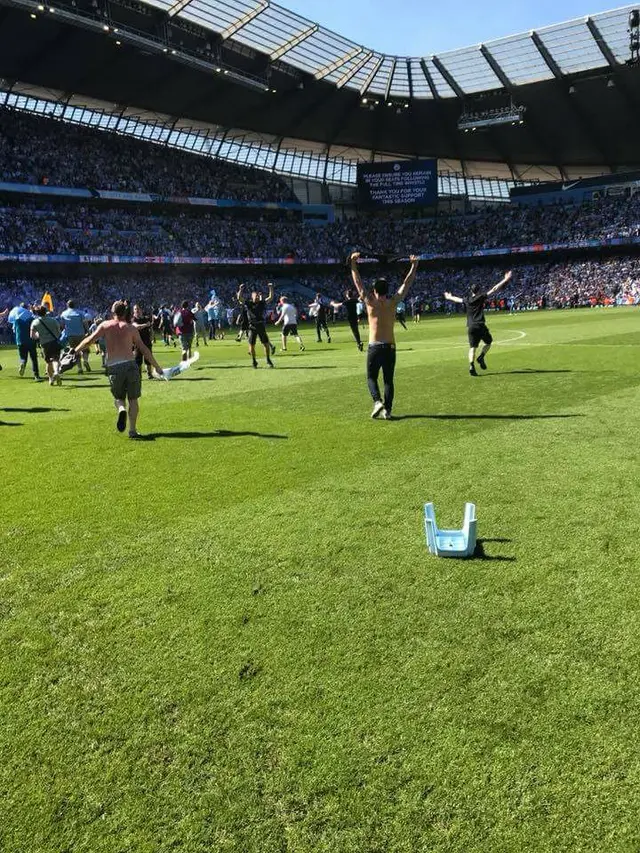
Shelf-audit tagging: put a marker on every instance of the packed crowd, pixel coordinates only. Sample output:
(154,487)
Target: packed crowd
(559,285)
(41,150)
(52,228)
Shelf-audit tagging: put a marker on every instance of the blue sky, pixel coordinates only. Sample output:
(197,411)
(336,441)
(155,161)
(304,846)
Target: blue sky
(423,27)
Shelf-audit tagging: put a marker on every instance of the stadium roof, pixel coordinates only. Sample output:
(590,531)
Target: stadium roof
(253,67)
(575,46)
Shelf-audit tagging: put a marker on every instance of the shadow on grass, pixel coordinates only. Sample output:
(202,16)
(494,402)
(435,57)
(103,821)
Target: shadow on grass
(531,372)
(7,423)
(84,387)
(35,410)
(309,367)
(483,417)
(480,554)
(219,433)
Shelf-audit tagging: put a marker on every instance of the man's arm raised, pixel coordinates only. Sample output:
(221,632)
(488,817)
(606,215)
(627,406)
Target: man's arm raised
(240,295)
(270,293)
(451,298)
(410,277)
(355,275)
(500,284)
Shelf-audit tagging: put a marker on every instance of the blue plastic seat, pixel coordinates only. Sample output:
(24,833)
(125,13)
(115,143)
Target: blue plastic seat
(451,543)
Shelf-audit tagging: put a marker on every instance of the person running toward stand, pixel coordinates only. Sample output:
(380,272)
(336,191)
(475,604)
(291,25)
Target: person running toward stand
(122,339)
(417,309)
(202,324)
(21,319)
(143,324)
(100,347)
(255,308)
(401,314)
(46,329)
(350,303)
(477,329)
(289,319)
(381,354)
(185,326)
(74,325)
(319,309)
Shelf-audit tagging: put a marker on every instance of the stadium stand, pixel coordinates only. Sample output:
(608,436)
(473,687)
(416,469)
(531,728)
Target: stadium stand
(37,150)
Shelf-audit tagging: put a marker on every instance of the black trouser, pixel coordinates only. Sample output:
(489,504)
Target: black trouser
(401,320)
(212,329)
(321,323)
(381,357)
(355,331)
(29,349)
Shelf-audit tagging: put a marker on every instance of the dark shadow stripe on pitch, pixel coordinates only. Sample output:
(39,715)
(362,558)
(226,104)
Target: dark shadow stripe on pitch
(35,410)
(482,417)
(219,433)
(479,553)
(531,372)
(8,423)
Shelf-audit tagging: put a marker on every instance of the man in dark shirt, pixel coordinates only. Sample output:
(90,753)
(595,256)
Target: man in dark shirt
(255,308)
(143,324)
(350,303)
(476,325)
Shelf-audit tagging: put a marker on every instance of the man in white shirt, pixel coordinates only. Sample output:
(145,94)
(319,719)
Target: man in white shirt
(289,319)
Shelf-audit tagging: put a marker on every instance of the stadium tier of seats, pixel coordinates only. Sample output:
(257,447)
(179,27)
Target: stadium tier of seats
(53,227)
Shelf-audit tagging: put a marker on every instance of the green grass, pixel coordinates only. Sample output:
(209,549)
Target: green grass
(233,638)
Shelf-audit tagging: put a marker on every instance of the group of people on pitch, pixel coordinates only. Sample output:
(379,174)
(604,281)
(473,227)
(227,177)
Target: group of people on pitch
(122,339)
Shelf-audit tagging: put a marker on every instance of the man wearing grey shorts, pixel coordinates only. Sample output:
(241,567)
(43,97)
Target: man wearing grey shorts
(121,338)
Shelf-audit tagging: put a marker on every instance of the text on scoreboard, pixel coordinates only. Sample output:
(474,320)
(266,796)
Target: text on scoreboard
(409,182)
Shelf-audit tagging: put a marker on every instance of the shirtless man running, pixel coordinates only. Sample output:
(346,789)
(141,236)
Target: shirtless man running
(381,354)
(121,338)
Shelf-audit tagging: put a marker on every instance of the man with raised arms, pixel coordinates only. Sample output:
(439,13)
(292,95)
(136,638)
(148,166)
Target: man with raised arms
(121,338)
(476,325)
(257,328)
(381,311)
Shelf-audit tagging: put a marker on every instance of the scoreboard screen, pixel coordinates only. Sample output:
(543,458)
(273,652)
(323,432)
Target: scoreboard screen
(403,183)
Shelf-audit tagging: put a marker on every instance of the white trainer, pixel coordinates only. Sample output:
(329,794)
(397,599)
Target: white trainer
(378,409)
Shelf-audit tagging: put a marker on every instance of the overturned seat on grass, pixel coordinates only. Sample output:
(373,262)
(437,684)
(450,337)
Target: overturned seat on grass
(451,543)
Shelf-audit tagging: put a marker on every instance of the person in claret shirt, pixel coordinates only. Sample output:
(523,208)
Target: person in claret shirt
(477,329)
(185,325)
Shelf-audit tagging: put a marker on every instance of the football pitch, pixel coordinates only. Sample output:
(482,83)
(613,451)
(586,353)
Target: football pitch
(232,637)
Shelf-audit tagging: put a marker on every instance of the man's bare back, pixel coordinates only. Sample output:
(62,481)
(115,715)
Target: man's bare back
(120,338)
(381,311)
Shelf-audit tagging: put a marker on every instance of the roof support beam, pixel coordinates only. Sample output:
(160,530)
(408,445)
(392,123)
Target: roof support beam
(293,42)
(338,63)
(605,50)
(349,75)
(451,80)
(495,67)
(387,88)
(410,78)
(591,132)
(429,79)
(550,62)
(539,137)
(243,20)
(371,75)
(177,7)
